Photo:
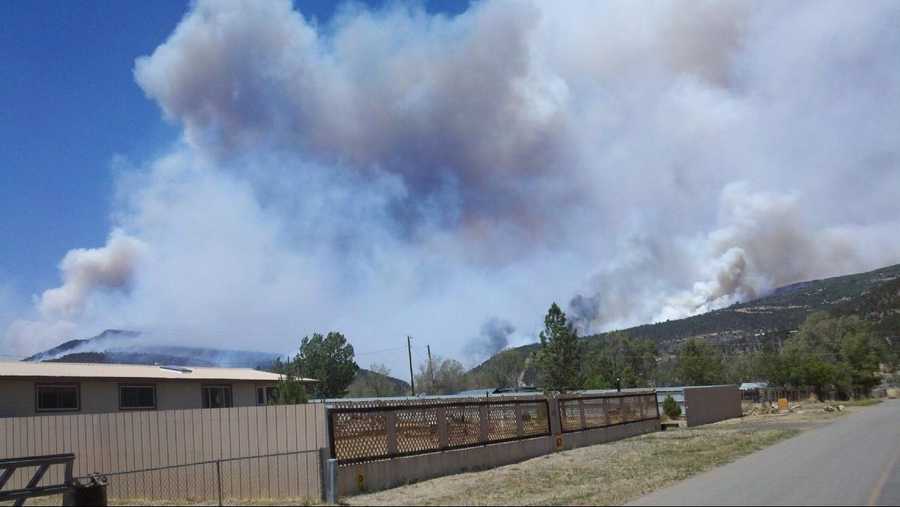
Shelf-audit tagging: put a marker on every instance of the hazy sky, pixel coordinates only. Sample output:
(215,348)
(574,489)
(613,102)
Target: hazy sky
(240,173)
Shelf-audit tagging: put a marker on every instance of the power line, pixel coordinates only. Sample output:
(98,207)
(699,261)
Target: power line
(373,352)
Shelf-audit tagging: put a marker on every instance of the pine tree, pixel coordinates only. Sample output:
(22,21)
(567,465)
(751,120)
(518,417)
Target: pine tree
(329,360)
(559,358)
(700,364)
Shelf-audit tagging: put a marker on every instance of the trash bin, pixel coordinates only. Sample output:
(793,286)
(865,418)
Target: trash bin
(90,490)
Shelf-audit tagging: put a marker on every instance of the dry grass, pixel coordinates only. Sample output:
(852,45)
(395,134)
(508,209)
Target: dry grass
(57,500)
(608,474)
(253,501)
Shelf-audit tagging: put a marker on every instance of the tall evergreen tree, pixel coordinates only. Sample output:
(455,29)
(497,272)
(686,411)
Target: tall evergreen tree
(329,360)
(700,364)
(559,359)
(289,390)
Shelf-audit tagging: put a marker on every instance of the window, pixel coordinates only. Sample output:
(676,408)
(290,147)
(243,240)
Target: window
(137,397)
(56,397)
(266,395)
(216,396)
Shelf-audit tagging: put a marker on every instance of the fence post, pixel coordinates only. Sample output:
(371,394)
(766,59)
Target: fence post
(520,422)
(443,433)
(390,423)
(331,467)
(219,480)
(553,408)
(581,417)
(483,424)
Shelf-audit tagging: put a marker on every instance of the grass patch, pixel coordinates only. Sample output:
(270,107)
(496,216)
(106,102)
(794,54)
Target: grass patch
(57,500)
(609,474)
(867,402)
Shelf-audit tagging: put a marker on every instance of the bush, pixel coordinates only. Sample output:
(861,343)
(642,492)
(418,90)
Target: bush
(671,408)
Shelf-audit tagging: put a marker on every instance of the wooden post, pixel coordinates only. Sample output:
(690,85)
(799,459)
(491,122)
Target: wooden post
(582,417)
(390,426)
(483,423)
(443,433)
(553,414)
(520,423)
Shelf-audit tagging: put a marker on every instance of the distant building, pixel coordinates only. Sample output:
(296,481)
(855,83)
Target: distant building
(30,389)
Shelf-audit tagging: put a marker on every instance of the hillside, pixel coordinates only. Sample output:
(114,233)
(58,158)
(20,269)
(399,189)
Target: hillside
(874,295)
(368,383)
(126,347)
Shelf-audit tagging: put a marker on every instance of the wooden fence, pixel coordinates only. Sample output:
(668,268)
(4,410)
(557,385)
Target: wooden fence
(248,452)
(367,431)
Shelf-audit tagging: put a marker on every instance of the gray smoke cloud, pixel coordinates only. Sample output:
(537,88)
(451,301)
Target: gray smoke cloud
(494,336)
(85,270)
(395,172)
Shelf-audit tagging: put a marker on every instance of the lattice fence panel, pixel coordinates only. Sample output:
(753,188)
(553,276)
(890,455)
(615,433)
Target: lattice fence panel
(417,430)
(632,409)
(595,413)
(649,406)
(502,422)
(463,425)
(614,410)
(571,415)
(535,420)
(360,435)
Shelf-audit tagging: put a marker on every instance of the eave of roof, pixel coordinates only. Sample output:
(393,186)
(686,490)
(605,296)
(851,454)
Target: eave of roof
(22,370)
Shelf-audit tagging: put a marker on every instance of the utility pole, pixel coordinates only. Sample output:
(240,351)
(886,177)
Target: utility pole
(412,380)
(431,370)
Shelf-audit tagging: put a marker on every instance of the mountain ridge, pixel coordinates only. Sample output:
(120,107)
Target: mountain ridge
(769,319)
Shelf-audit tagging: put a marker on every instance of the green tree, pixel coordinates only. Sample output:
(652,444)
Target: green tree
(671,408)
(329,360)
(839,353)
(559,358)
(620,357)
(290,391)
(449,377)
(699,363)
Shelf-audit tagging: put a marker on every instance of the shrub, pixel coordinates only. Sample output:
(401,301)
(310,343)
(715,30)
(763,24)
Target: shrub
(671,408)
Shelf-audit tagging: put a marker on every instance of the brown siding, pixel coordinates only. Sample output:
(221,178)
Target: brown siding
(129,441)
(102,396)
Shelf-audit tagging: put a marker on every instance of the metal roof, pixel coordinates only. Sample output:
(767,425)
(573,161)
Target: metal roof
(22,369)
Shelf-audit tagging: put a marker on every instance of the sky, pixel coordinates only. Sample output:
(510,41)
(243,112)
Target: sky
(70,107)
(240,174)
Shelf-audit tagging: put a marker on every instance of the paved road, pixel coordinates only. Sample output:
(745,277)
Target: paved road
(853,461)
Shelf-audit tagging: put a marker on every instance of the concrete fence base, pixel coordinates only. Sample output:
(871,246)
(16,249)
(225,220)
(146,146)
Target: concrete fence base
(378,475)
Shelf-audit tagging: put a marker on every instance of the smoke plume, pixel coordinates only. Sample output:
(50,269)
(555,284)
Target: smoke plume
(85,270)
(494,336)
(393,172)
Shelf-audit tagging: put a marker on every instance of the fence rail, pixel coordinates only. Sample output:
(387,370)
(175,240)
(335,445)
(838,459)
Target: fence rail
(276,475)
(372,433)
